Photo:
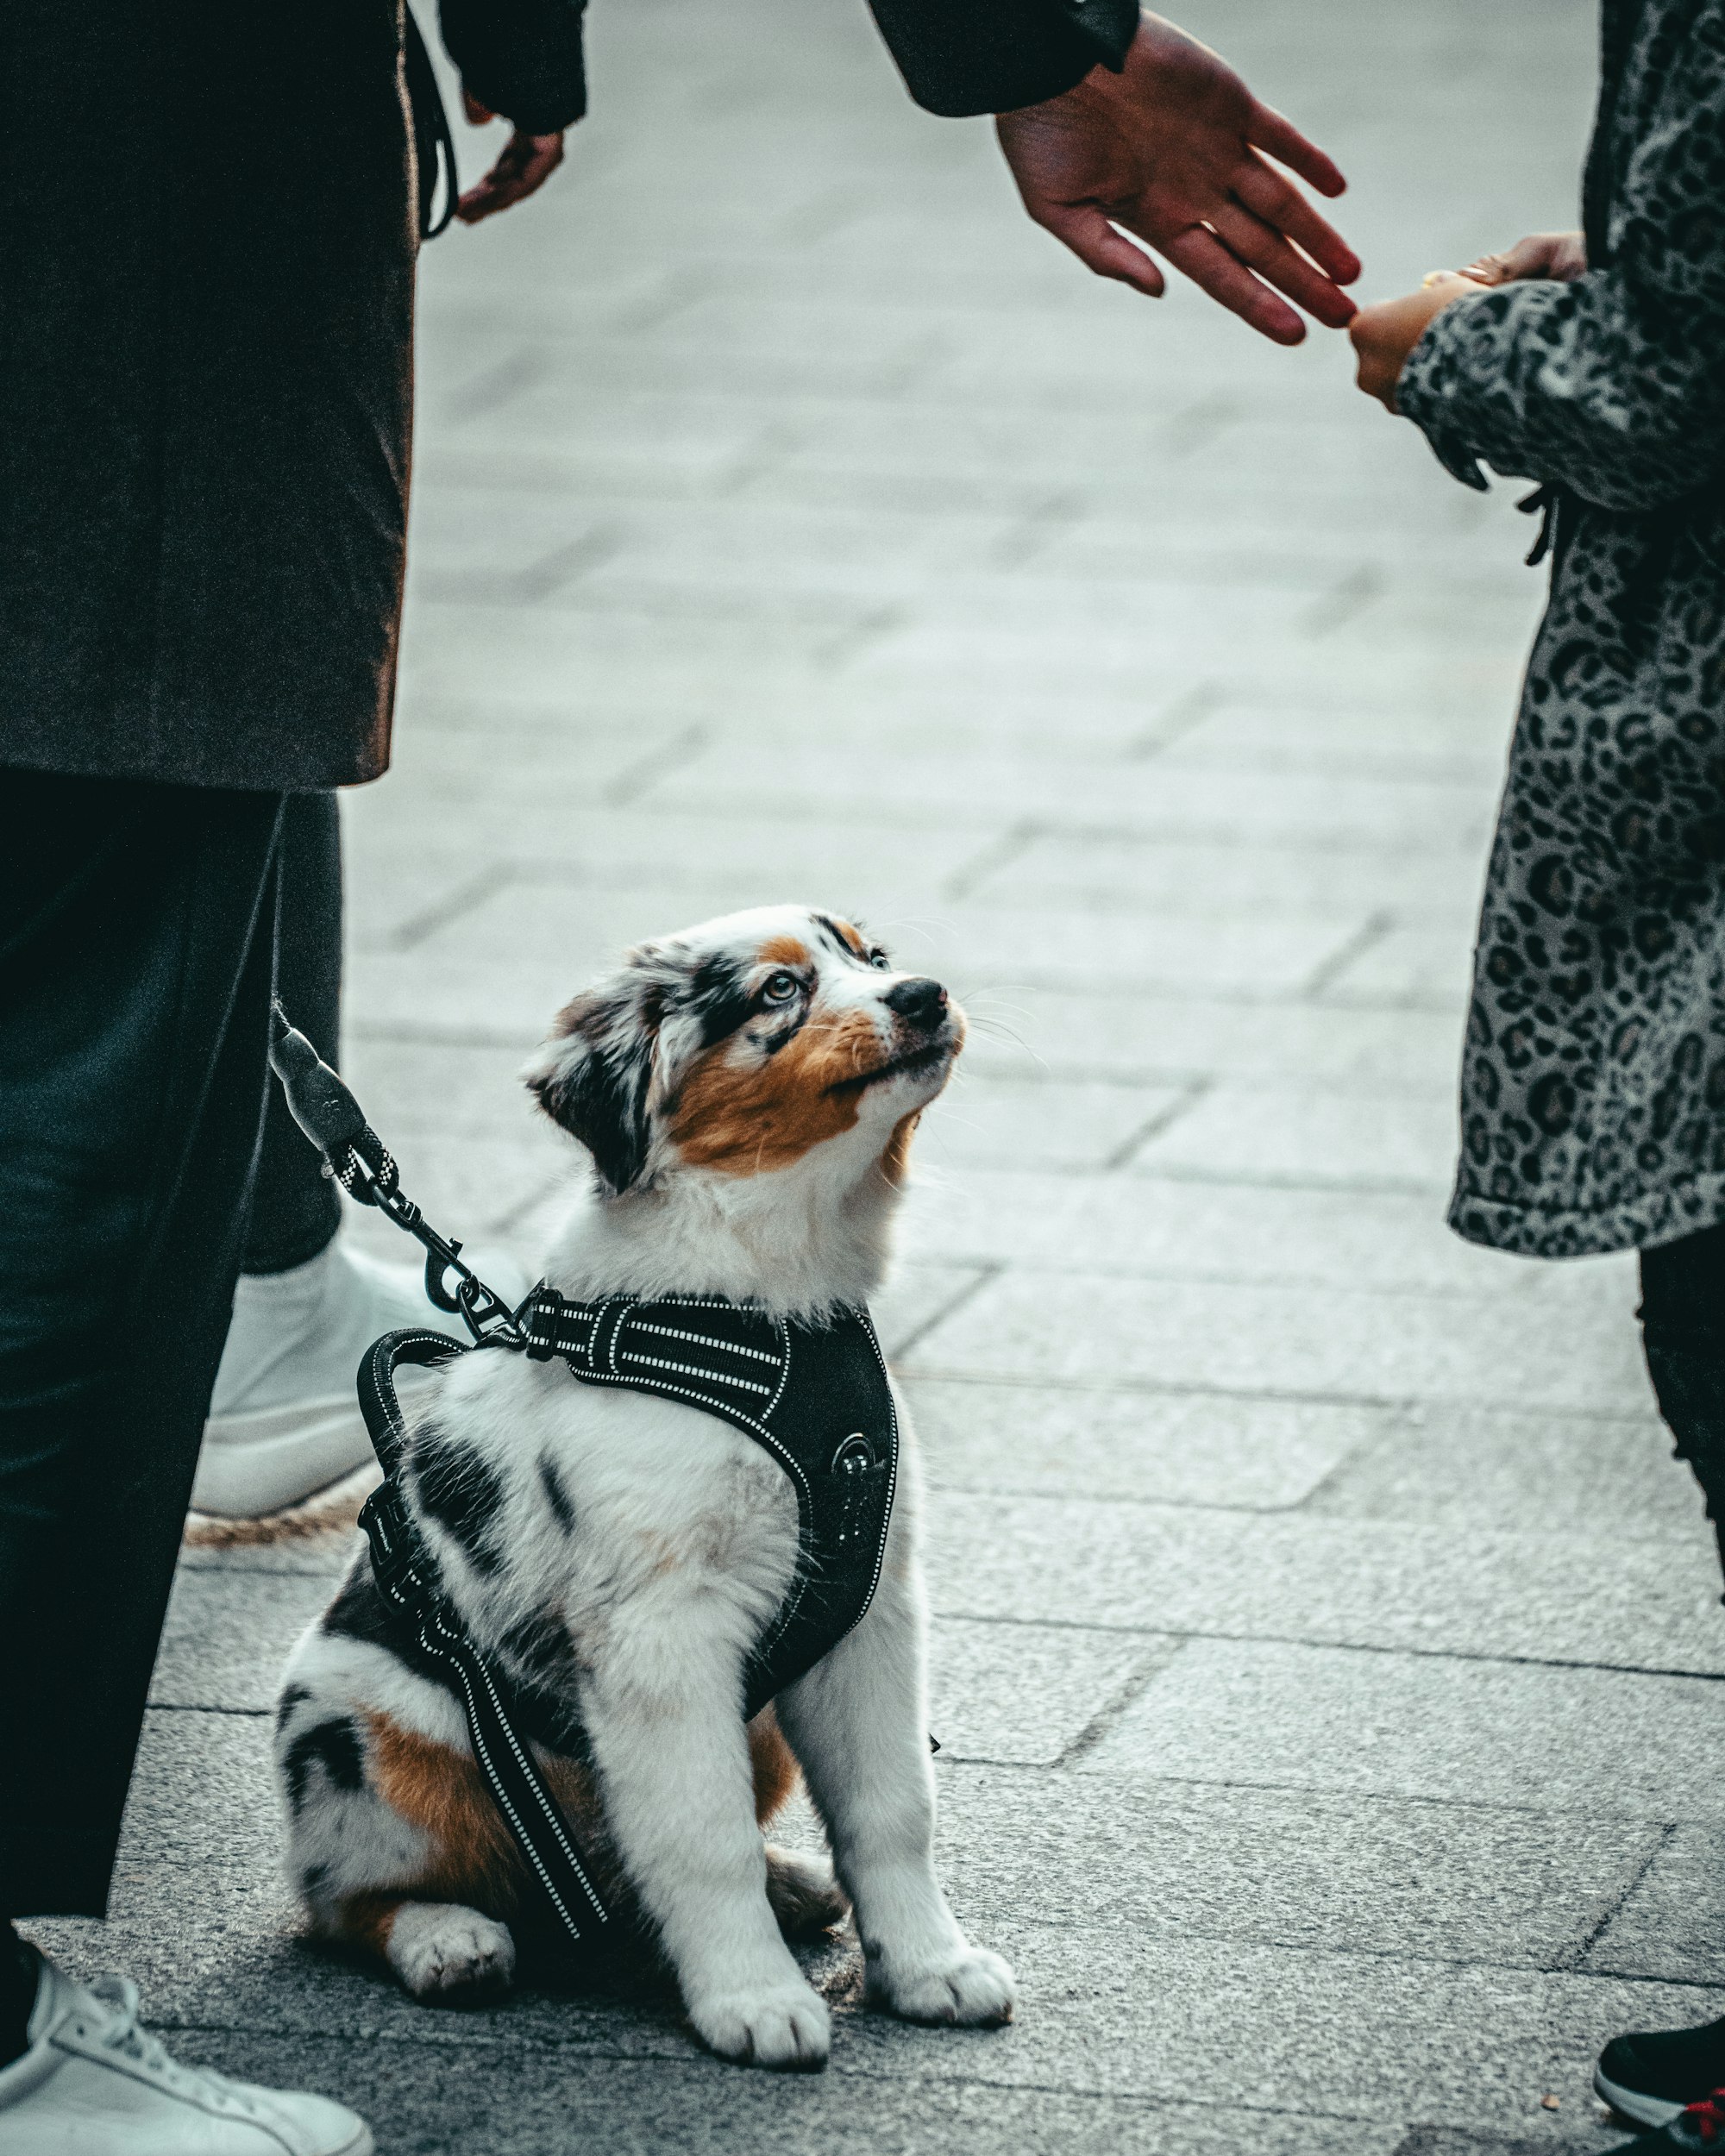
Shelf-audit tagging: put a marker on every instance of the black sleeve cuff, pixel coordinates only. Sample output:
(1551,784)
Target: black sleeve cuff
(522,58)
(962,57)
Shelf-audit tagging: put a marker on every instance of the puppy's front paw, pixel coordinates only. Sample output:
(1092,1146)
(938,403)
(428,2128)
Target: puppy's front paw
(448,1955)
(969,1989)
(784,2026)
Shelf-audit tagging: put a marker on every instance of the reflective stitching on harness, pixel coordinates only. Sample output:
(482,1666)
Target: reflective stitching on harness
(708,1340)
(691,1370)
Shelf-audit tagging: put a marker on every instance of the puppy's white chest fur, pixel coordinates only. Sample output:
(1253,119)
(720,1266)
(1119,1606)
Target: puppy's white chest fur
(618,1514)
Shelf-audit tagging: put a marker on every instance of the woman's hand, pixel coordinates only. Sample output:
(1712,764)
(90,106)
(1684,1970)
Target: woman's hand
(1175,150)
(526,162)
(1562,255)
(1384,336)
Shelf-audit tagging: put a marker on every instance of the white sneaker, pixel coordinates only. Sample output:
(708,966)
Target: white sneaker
(92,2083)
(284,1420)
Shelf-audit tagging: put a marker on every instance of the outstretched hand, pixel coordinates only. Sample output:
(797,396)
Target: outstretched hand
(1177,150)
(525,163)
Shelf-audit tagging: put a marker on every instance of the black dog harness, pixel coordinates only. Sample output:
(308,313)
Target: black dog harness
(816,1397)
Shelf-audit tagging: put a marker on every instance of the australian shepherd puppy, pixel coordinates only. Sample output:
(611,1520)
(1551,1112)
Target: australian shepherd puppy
(747,1091)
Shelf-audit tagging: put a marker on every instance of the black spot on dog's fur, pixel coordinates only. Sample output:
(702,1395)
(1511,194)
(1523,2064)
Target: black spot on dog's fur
(598,1092)
(556,1497)
(293,1696)
(717,995)
(360,1612)
(540,1648)
(333,1746)
(453,1485)
(311,1879)
(547,1677)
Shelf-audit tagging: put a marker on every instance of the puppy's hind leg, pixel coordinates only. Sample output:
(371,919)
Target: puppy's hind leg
(393,1839)
(801,1891)
(803,1894)
(444,1955)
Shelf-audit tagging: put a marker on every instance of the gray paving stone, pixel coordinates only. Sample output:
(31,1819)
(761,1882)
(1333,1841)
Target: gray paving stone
(1116,2010)
(1671,1923)
(1026,1694)
(1352,1138)
(1150,1036)
(429,2099)
(228,1633)
(992,1122)
(1155,800)
(1539,1344)
(1129,1224)
(1171,1449)
(1296,1576)
(1430,968)
(1468,1468)
(1281,1715)
(1113,872)
(1310,1869)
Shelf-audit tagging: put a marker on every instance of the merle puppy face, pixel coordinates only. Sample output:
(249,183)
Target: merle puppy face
(740,1046)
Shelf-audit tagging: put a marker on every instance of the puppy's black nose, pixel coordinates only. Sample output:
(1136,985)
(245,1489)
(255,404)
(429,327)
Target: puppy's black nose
(918,1002)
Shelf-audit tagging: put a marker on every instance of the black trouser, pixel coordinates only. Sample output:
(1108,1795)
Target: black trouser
(296,1207)
(1683,1333)
(136,956)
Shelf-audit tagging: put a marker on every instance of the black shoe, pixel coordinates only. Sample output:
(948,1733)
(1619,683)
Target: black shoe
(1652,2078)
(1698,2130)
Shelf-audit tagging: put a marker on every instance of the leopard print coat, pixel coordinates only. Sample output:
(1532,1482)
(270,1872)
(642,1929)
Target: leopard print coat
(1593,1082)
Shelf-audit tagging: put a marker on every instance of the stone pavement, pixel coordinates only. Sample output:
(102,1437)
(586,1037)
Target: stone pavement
(1326,1650)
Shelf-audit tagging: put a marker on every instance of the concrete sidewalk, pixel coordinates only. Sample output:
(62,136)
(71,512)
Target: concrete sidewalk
(1326,1649)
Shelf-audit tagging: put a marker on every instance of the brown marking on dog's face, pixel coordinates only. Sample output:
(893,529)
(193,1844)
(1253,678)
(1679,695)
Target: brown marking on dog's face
(775,1769)
(783,950)
(745,1118)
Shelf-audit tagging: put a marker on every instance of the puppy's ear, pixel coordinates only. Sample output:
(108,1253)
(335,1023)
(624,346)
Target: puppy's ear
(595,1074)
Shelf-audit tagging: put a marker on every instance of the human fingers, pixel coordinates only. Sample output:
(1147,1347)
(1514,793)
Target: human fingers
(1559,254)
(1093,239)
(527,161)
(1271,131)
(1198,254)
(1266,252)
(1378,352)
(1272,197)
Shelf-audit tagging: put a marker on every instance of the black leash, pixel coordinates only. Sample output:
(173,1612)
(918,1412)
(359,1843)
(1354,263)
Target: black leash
(360,1161)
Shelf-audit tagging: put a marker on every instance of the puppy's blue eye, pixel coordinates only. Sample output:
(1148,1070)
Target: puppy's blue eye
(879,959)
(780,987)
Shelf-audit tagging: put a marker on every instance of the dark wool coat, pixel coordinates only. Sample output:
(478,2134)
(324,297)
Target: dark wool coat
(207,240)
(1593,1084)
